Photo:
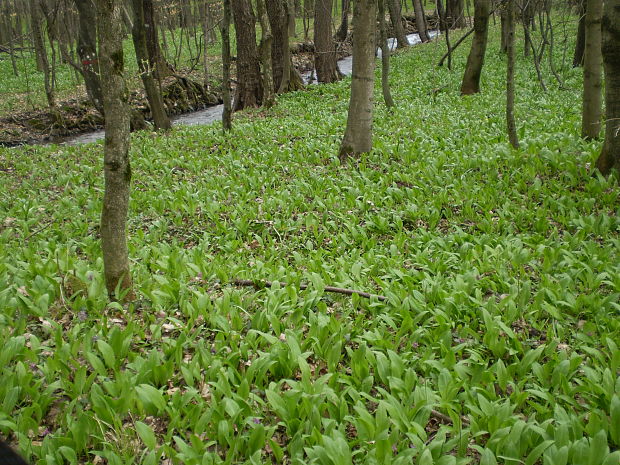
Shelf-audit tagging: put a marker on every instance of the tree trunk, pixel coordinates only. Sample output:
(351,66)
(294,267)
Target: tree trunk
(510,75)
(290,15)
(358,133)
(249,91)
(343,29)
(609,158)
(265,52)
(117,169)
(225,31)
(397,23)
(285,77)
(504,26)
(41,52)
(385,57)
(324,49)
(455,14)
(87,51)
(580,45)
(475,60)
(161,68)
(420,21)
(443,27)
(153,95)
(592,71)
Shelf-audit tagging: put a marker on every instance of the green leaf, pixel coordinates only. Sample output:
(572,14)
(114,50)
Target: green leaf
(146,434)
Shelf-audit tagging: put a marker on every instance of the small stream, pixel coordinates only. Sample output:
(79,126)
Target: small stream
(214,113)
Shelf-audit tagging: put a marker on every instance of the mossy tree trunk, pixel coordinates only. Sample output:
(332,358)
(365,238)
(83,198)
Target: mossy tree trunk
(592,72)
(87,51)
(117,169)
(609,159)
(324,49)
(475,60)
(358,133)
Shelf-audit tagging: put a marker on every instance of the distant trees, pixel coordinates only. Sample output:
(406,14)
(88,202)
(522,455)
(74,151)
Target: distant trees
(249,91)
(592,72)
(510,74)
(324,49)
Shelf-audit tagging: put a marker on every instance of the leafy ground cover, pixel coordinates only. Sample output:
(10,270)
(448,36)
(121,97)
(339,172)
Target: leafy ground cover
(498,342)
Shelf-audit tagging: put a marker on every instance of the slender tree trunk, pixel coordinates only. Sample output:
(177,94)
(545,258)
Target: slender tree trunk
(265,52)
(504,26)
(87,51)
(156,102)
(249,91)
(117,168)
(358,133)
(324,49)
(510,76)
(343,29)
(609,159)
(40,50)
(580,45)
(592,72)
(285,77)
(290,15)
(225,31)
(397,23)
(385,57)
(475,60)
(443,26)
(420,21)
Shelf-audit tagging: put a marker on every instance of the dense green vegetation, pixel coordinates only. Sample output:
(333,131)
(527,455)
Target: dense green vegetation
(498,343)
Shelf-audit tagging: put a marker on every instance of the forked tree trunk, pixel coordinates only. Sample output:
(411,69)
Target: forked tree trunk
(475,60)
(145,66)
(87,51)
(358,133)
(385,57)
(249,91)
(225,31)
(592,72)
(510,75)
(420,21)
(609,158)
(324,50)
(397,23)
(117,169)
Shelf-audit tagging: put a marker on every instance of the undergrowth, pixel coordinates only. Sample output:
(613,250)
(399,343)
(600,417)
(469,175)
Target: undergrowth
(498,342)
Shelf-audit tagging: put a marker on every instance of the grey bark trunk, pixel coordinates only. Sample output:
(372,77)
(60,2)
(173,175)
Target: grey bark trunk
(358,133)
(117,169)
(225,31)
(249,91)
(592,72)
(265,52)
(385,57)
(343,29)
(420,21)
(397,23)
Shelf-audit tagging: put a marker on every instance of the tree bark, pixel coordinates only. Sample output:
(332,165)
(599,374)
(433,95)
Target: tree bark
(397,23)
(580,44)
(324,49)
(145,66)
(117,168)
(358,133)
(455,14)
(475,60)
(41,52)
(592,72)
(609,159)
(385,57)
(225,31)
(420,21)
(249,91)
(504,29)
(510,75)
(87,51)
(285,76)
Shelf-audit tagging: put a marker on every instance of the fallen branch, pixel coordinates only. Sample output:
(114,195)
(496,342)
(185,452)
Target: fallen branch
(336,290)
(453,48)
(446,419)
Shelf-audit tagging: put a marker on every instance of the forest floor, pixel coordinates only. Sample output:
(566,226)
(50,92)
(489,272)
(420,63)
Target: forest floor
(498,341)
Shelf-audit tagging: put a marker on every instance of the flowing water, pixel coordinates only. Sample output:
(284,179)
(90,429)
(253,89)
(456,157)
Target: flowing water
(214,113)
